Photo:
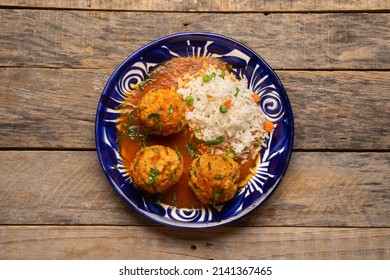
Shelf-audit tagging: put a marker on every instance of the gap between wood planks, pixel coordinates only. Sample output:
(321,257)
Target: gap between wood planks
(247,11)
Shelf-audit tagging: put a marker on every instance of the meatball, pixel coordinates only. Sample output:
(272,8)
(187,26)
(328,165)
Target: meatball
(156,168)
(163,111)
(213,178)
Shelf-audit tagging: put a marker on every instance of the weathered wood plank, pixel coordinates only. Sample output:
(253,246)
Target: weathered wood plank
(339,110)
(96,242)
(56,108)
(319,189)
(49,108)
(96,39)
(205,5)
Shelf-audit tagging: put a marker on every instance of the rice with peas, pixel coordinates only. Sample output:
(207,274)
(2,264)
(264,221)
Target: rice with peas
(223,106)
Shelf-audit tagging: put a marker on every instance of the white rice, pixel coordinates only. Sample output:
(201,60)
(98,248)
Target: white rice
(242,126)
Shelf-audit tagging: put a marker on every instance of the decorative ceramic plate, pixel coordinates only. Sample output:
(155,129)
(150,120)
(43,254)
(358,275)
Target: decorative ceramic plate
(274,158)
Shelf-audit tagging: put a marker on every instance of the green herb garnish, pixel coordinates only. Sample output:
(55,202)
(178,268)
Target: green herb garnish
(191,150)
(174,198)
(170,110)
(131,120)
(152,176)
(172,174)
(215,141)
(141,84)
(178,153)
(193,169)
(132,131)
(217,196)
(179,126)
(144,143)
(156,118)
(237,91)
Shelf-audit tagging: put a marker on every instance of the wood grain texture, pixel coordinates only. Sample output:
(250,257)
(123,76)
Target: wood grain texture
(206,5)
(96,242)
(49,108)
(97,39)
(333,58)
(55,108)
(339,110)
(319,189)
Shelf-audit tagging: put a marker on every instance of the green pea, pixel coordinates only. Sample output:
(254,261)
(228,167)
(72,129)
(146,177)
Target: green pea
(189,100)
(231,155)
(206,78)
(223,109)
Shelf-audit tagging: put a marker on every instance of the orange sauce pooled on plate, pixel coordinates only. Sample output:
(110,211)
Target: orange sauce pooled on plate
(165,76)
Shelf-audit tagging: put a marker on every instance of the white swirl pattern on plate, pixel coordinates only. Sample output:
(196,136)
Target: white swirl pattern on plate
(136,74)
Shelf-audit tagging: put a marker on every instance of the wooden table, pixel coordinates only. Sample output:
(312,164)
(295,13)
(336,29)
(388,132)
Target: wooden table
(333,59)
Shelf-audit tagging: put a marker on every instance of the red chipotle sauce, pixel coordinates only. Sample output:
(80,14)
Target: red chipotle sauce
(132,137)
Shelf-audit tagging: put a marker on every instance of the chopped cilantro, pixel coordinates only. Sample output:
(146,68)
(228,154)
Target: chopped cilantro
(152,176)
(215,141)
(170,110)
(217,196)
(156,119)
(132,131)
(191,150)
(178,153)
(237,91)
